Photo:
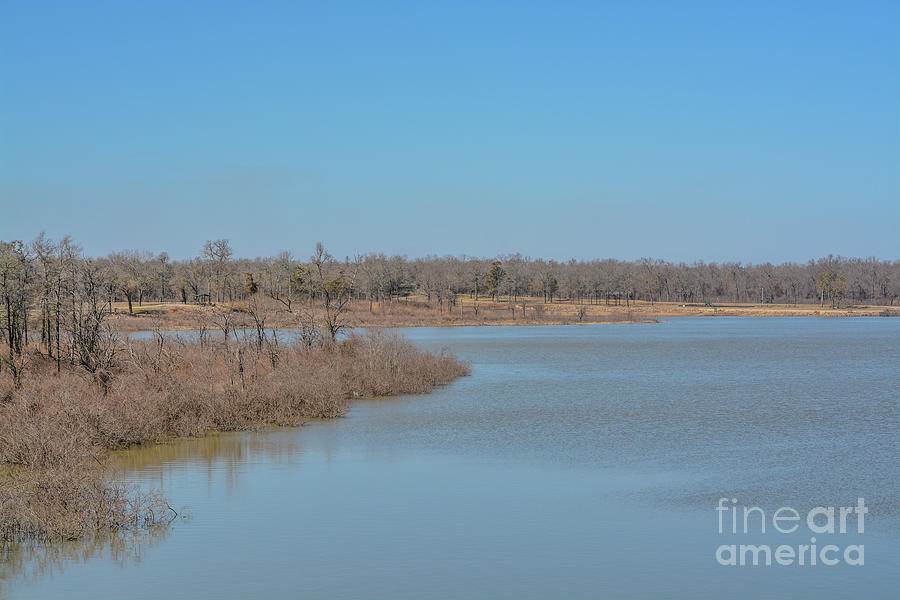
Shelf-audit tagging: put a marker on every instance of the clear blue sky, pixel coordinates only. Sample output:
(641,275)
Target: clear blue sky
(716,130)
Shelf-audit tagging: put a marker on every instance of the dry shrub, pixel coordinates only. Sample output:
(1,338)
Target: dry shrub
(55,429)
(384,364)
(67,503)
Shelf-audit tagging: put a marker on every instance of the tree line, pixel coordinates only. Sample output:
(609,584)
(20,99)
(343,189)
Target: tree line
(54,294)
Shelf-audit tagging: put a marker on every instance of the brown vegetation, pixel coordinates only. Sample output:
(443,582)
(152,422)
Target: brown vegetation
(406,312)
(72,387)
(43,275)
(55,430)
(415,311)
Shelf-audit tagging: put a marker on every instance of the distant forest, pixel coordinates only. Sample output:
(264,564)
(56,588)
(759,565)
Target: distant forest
(42,272)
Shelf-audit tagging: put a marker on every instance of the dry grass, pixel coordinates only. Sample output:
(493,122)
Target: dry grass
(415,311)
(407,312)
(55,431)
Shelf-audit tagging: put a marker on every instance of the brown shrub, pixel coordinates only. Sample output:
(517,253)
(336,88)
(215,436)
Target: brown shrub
(384,364)
(69,503)
(56,429)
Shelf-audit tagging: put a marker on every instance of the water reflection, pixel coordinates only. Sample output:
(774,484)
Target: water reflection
(215,450)
(28,560)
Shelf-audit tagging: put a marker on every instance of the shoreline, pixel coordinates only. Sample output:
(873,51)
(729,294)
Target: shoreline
(58,431)
(414,312)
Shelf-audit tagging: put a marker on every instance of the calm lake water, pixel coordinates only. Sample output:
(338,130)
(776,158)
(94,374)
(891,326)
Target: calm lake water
(575,462)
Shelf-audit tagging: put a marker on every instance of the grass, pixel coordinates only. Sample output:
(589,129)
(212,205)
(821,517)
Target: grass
(416,311)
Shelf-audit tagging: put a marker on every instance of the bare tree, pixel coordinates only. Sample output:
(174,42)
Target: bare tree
(334,290)
(16,292)
(218,253)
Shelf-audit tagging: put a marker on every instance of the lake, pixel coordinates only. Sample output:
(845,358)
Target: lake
(575,462)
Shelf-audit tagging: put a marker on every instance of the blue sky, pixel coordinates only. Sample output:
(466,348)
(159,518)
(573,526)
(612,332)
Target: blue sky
(753,131)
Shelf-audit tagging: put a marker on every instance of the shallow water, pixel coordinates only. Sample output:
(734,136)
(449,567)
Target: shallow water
(576,461)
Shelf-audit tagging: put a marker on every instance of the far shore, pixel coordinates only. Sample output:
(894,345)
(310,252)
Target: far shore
(418,312)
